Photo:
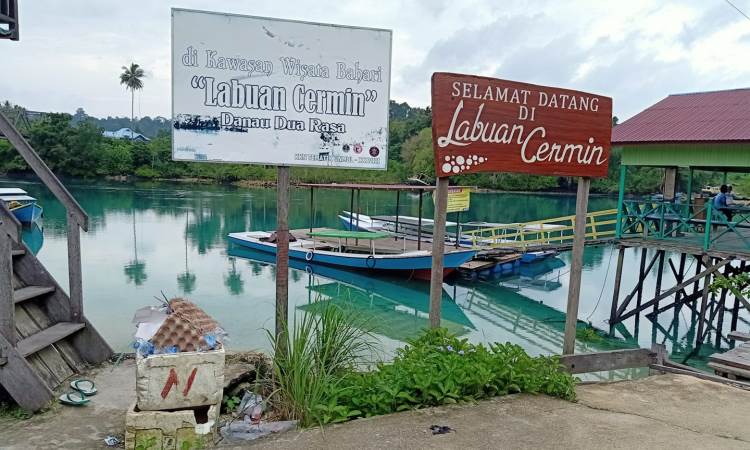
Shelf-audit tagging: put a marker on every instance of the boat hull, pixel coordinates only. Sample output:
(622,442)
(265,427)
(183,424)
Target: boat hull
(28,213)
(420,263)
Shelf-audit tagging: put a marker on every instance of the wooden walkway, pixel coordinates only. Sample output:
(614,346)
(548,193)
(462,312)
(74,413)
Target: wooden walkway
(733,364)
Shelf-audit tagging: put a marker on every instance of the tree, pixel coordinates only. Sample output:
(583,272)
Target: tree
(131,78)
(615,121)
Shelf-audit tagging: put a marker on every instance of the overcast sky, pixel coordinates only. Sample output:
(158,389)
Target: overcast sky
(636,51)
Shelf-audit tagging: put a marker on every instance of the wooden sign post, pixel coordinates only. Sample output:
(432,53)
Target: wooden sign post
(576,265)
(282,257)
(482,124)
(438,251)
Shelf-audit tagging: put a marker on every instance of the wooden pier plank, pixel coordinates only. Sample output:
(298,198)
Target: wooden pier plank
(738,336)
(48,337)
(30,292)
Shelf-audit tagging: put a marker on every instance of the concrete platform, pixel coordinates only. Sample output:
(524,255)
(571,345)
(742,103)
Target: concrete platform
(663,411)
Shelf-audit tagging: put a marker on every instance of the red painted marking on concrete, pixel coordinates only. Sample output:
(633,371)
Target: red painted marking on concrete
(171,381)
(189,384)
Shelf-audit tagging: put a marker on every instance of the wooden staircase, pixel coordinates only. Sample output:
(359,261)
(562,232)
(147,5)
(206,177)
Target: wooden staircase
(44,336)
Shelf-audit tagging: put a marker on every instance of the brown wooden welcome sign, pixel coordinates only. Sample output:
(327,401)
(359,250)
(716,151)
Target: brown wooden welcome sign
(484,124)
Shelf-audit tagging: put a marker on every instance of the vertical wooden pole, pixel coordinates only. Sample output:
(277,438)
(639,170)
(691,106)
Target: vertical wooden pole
(74,270)
(704,304)
(574,287)
(616,293)
(282,256)
(7,306)
(438,250)
(736,307)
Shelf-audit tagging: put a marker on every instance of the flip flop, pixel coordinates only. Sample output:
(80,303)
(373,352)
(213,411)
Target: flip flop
(74,398)
(84,386)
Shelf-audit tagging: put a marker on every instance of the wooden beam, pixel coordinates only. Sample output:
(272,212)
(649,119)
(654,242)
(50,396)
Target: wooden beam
(611,360)
(701,375)
(282,256)
(20,380)
(674,289)
(642,273)
(618,282)
(75,275)
(704,305)
(7,303)
(739,336)
(43,172)
(574,285)
(438,251)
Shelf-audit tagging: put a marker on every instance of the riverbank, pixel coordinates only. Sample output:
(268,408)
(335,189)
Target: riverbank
(661,411)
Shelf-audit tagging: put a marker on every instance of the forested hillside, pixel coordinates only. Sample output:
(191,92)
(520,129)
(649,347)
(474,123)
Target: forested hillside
(72,145)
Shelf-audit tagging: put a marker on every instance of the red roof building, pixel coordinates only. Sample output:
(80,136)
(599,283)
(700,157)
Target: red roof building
(719,116)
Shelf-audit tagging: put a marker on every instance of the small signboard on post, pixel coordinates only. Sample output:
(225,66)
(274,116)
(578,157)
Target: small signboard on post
(279,92)
(482,124)
(459,199)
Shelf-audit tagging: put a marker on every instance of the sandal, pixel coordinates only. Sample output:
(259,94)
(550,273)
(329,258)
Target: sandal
(74,398)
(84,386)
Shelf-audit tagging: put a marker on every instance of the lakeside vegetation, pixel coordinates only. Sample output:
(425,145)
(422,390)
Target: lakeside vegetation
(317,376)
(72,145)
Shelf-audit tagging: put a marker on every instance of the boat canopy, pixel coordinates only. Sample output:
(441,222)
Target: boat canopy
(12,191)
(342,234)
(17,198)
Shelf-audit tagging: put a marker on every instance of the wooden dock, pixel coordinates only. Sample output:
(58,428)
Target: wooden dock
(733,364)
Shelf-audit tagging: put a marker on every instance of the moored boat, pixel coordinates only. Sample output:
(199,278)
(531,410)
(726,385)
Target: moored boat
(22,205)
(340,249)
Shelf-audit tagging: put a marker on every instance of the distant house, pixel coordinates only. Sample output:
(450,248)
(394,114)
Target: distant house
(125,133)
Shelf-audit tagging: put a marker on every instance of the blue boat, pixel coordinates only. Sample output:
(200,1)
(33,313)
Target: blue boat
(23,206)
(322,249)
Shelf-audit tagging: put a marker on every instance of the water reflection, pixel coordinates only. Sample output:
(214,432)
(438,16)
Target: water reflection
(393,307)
(187,279)
(135,269)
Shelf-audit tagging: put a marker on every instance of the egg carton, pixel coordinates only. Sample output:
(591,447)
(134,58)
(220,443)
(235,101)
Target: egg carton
(184,327)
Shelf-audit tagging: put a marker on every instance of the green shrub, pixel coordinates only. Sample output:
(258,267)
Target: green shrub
(318,351)
(439,368)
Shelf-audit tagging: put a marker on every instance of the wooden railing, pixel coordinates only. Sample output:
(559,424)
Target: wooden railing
(558,230)
(77,218)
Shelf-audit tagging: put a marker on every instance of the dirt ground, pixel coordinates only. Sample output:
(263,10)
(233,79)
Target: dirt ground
(662,411)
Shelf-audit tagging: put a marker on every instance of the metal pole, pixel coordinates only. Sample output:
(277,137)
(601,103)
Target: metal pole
(419,222)
(312,212)
(359,211)
(438,250)
(398,202)
(282,257)
(574,287)
(351,212)
(458,227)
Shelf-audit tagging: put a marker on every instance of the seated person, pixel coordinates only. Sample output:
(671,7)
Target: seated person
(720,202)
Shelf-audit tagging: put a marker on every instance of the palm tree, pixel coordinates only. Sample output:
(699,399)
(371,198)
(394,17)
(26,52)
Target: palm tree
(131,78)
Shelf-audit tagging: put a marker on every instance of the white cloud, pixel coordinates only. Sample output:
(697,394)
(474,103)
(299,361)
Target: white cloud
(637,51)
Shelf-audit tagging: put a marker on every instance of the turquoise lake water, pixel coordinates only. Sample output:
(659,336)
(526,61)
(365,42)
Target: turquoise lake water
(147,240)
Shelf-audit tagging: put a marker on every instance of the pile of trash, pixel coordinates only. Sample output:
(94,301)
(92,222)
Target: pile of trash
(250,425)
(176,326)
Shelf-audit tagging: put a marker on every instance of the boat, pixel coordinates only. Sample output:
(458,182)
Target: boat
(393,307)
(22,205)
(341,249)
(532,257)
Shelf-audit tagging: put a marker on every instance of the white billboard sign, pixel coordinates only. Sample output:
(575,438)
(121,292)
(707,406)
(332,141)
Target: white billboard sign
(279,92)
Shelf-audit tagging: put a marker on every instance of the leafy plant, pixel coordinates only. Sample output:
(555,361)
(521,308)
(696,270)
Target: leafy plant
(13,411)
(316,353)
(588,334)
(439,368)
(231,402)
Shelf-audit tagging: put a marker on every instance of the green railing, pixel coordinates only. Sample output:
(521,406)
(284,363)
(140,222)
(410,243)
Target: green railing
(693,224)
